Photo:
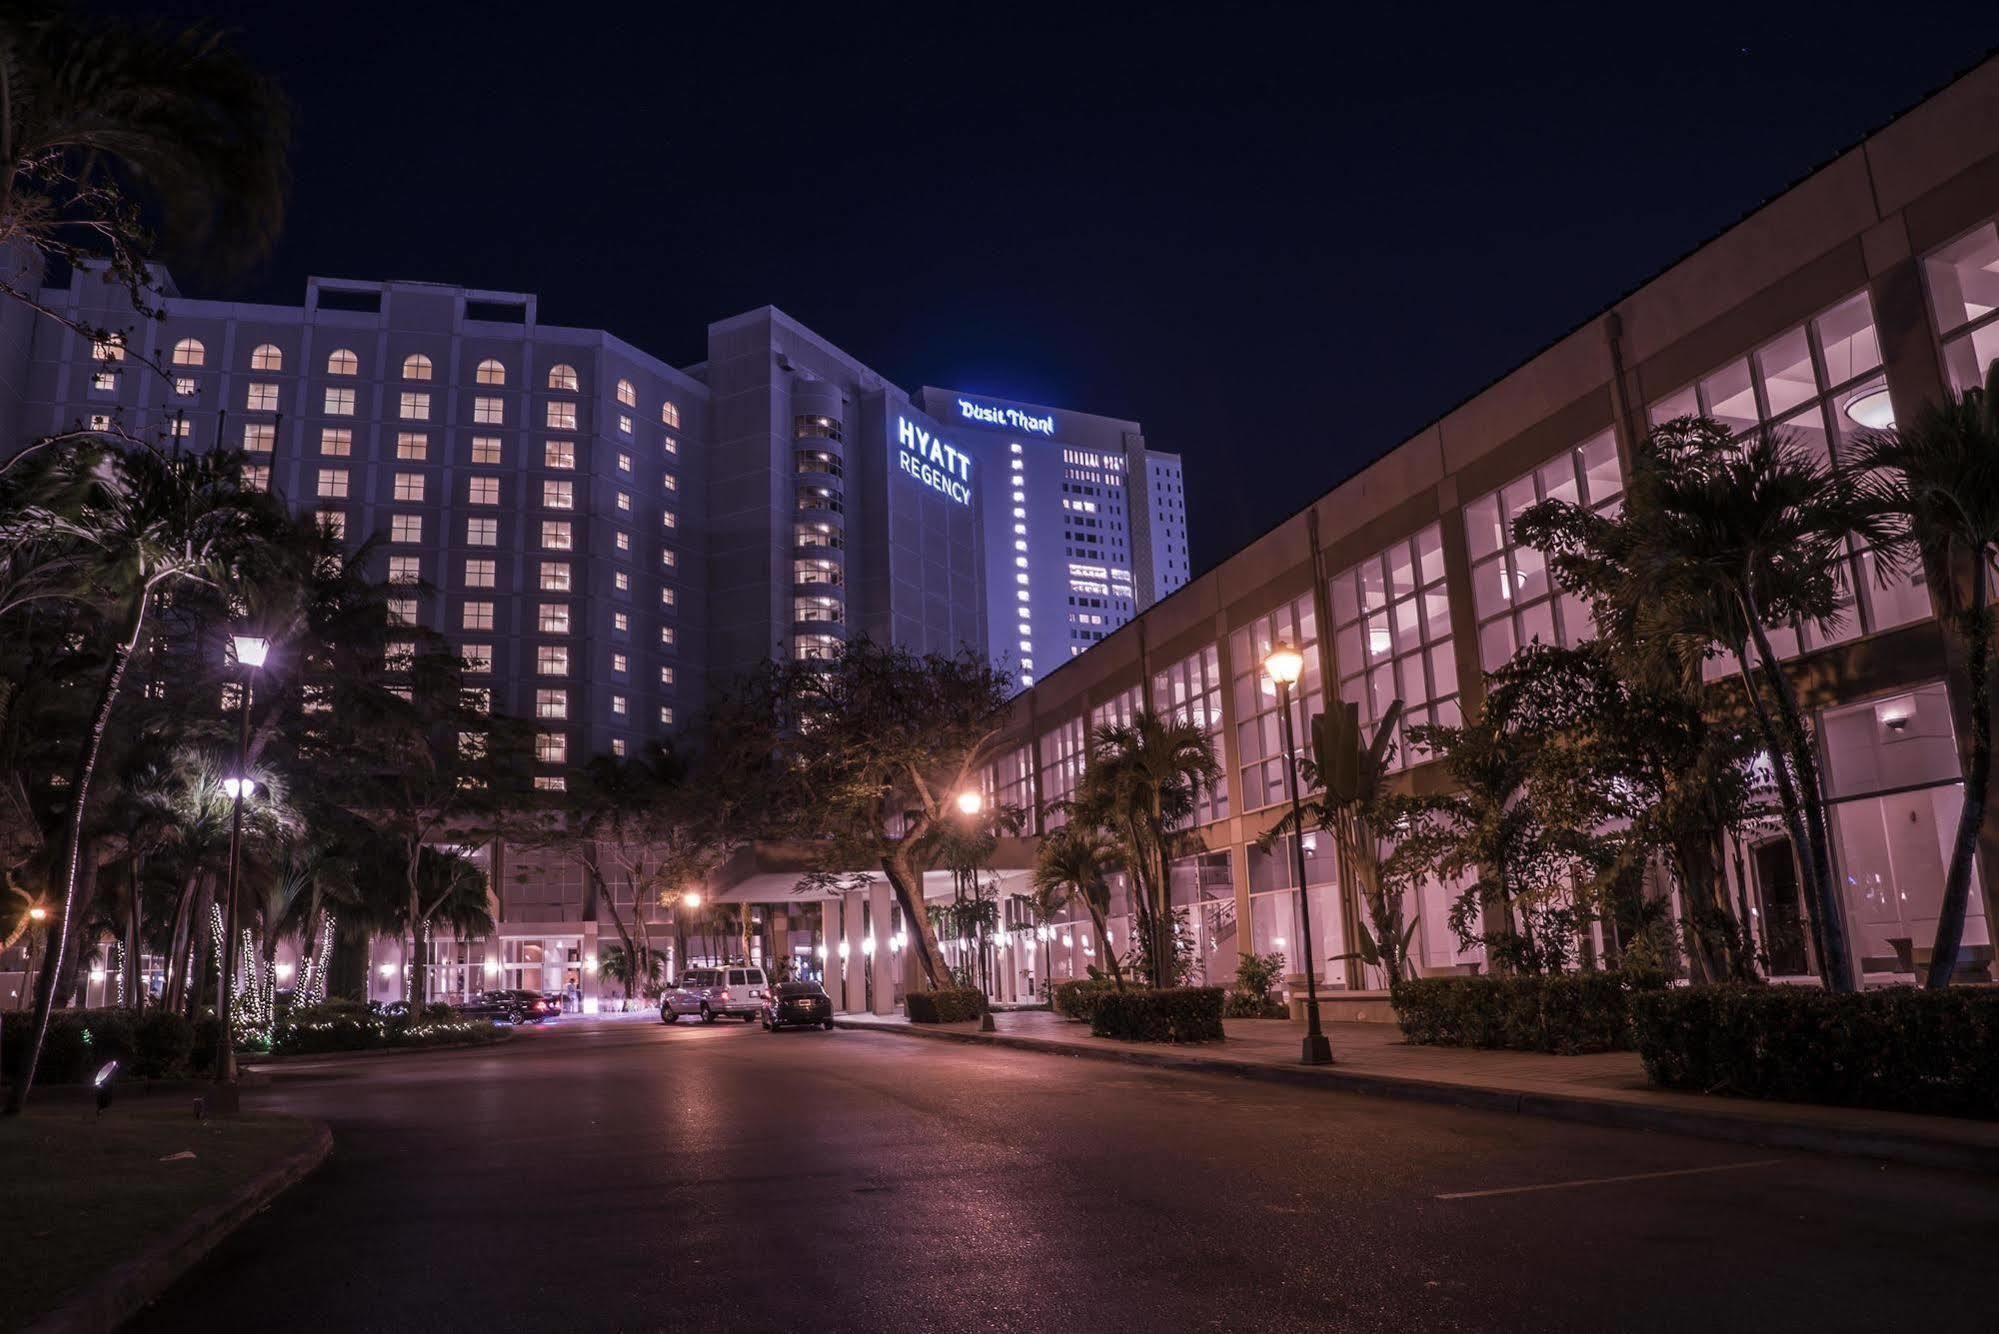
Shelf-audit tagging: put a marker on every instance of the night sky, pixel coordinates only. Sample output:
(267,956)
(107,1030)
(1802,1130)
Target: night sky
(1281,237)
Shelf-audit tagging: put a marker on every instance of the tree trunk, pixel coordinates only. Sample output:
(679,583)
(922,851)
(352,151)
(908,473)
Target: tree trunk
(1977,784)
(1788,800)
(80,783)
(907,883)
(134,974)
(1103,937)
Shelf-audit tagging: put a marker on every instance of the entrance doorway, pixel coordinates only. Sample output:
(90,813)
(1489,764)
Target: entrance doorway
(1786,938)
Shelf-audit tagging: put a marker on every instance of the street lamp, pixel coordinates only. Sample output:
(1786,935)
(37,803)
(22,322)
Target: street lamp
(971,801)
(250,652)
(1285,665)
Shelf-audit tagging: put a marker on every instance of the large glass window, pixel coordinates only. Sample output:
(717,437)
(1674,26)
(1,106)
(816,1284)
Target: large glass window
(1190,691)
(1393,637)
(1513,591)
(1258,726)
(1062,756)
(1964,297)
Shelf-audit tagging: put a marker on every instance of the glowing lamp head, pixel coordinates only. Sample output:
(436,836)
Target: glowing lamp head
(251,650)
(492,968)
(284,972)
(1284,664)
(690,899)
(868,945)
(843,949)
(239,787)
(38,913)
(971,802)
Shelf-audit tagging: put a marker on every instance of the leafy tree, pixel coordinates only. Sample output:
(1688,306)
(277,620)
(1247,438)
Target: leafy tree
(1720,542)
(1074,862)
(112,127)
(1140,783)
(879,742)
(1938,482)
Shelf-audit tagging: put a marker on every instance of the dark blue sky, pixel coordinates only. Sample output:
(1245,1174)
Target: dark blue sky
(1283,237)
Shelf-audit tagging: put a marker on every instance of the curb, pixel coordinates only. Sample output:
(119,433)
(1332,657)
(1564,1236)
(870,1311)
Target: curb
(120,1292)
(265,1062)
(1718,1124)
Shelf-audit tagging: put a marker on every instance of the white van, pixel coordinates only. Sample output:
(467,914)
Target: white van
(714,992)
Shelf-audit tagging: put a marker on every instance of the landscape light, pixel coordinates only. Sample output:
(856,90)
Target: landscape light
(284,971)
(1284,664)
(251,650)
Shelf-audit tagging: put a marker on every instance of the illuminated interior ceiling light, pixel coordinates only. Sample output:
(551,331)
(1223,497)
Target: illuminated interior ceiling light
(1378,641)
(1871,408)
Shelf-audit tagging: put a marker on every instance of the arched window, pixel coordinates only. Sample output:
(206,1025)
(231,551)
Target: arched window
(626,394)
(561,376)
(267,357)
(190,352)
(491,372)
(340,361)
(670,414)
(416,366)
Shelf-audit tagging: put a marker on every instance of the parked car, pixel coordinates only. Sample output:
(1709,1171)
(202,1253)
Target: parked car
(803,1003)
(509,1007)
(713,992)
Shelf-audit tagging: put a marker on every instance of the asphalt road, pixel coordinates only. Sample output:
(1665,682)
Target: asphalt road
(623,1176)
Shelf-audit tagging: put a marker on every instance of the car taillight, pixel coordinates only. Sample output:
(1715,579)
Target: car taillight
(541,1005)
(725,996)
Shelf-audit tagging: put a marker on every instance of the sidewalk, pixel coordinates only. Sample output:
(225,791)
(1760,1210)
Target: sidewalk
(1607,1089)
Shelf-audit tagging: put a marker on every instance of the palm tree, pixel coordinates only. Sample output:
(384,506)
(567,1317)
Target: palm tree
(1939,480)
(150,521)
(1140,783)
(108,124)
(1074,862)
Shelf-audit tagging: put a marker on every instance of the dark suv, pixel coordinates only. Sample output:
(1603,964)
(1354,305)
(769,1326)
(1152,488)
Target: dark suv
(797,1003)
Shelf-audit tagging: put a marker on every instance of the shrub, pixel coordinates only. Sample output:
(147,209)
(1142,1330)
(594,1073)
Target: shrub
(1075,1000)
(1241,1004)
(152,1045)
(946,1005)
(1562,1012)
(1165,1014)
(1898,1048)
(163,1045)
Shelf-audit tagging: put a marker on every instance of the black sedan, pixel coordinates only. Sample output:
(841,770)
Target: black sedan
(797,1003)
(508,1007)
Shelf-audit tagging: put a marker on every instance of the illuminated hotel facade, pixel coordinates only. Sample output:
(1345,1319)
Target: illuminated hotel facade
(1857,297)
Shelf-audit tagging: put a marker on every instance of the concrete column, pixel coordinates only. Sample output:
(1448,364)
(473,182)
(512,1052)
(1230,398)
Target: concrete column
(886,961)
(853,980)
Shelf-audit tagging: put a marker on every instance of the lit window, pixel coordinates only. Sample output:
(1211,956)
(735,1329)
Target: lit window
(626,394)
(618,705)
(409,486)
(667,598)
(624,423)
(256,477)
(562,377)
(550,783)
(486,449)
(551,703)
(551,747)
(267,357)
(624,502)
(105,381)
(186,386)
(482,532)
(414,406)
(552,660)
(668,519)
(623,581)
(621,622)
(477,657)
(340,361)
(558,495)
(670,414)
(333,523)
(416,366)
(554,619)
(555,535)
(480,573)
(405,569)
(190,352)
(618,746)
(482,490)
(336,441)
(671,482)
(490,372)
(624,463)
(398,655)
(333,483)
(412,445)
(259,437)
(261,396)
(339,402)
(624,541)
(476,699)
(555,576)
(406,528)
(558,454)
(666,716)
(666,634)
(669,557)
(666,676)
(472,745)
(476,616)
(489,410)
(402,612)
(672,445)
(561,416)
(620,663)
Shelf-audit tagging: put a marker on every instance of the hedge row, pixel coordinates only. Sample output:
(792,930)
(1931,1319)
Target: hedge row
(1567,1013)
(1164,1014)
(1075,1000)
(946,1005)
(152,1045)
(1898,1048)
(349,1026)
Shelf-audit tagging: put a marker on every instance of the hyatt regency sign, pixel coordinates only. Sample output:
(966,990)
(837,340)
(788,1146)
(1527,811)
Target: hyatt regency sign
(1013,417)
(932,462)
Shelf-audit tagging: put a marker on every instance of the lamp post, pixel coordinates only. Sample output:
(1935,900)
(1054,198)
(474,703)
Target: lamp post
(1285,665)
(972,803)
(39,916)
(251,651)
